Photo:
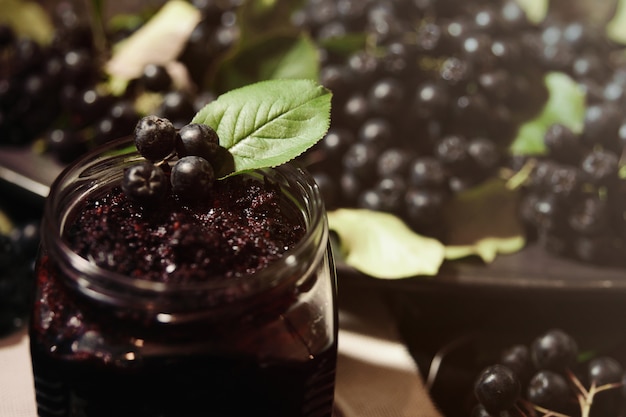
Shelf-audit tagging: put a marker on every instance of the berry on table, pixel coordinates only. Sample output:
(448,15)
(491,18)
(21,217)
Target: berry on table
(555,350)
(550,390)
(553,382)
(497,388)
(517,358)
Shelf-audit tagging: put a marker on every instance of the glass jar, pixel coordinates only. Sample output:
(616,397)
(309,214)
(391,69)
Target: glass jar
(104,344)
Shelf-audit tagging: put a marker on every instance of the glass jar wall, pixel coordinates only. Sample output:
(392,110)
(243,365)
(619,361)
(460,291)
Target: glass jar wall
(105,344)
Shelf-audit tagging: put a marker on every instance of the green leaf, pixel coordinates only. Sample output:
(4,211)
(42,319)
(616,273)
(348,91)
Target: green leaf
(536,10)
(159,41)
(28,19)
(565,105)
(484,221)
(269,58)
(382,246)
(616,27)
(270,122)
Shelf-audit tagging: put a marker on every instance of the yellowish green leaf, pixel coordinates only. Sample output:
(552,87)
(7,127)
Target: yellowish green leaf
(565,105)
(382,246)
(28,19)
(616,27)
(536,10)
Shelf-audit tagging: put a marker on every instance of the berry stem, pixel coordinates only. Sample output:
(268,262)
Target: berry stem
(549,413)
(577,383)
(518,179)
(96,20)
(544,411)
(585,397)
(586,400)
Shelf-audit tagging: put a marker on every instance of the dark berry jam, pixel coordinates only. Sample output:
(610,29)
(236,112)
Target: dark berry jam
(242,227)
(223,307)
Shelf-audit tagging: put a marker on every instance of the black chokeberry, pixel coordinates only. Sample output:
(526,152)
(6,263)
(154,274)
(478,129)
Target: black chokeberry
(551,391)
(144,182)
(121,119)
(386,96)
(423,205)
(497,388)
(517,358)
(601,166)
(377,131)
(431,99)
(484,154)
(361,159)
(601,124)
(452,151)
(589,216)
(192,177)
(541,174)
(198,140)
(426,171)
(393,162)
(555,350)
(155,137)
(89,104)
(177,106)
(562,143)
(156,78)
(385,196)
(604,370)
(565,182)
(336,142)
(79,67)
(65,145)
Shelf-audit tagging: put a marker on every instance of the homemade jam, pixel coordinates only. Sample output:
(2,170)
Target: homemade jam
(224,307)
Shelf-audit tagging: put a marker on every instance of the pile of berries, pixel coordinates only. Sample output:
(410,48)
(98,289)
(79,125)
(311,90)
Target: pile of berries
(55,96)
(429,107)
(192,175)
(51,90)
(546,379)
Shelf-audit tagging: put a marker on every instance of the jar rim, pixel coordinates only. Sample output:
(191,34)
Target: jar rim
(316,227)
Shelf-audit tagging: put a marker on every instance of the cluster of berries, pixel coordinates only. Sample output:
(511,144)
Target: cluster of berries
(545,378)
(157,140)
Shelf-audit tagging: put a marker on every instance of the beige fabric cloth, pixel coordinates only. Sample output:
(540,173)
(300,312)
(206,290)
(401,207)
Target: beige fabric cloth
(376,376)
(17,397)
(378,380)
